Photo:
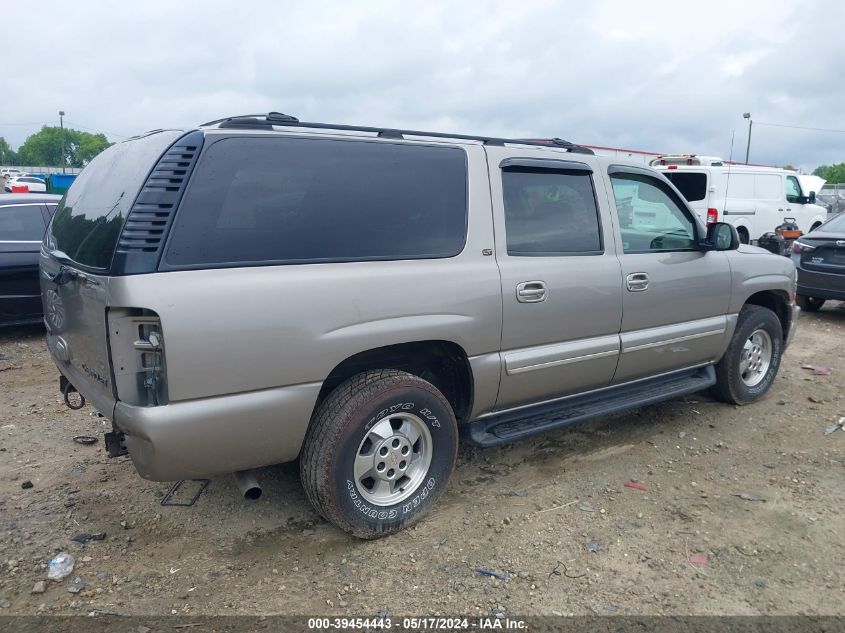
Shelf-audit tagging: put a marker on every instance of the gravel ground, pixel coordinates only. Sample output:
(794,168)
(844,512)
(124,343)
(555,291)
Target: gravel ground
(740,512)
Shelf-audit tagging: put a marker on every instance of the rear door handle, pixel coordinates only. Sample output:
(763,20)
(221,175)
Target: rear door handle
(637,282)
(531,292)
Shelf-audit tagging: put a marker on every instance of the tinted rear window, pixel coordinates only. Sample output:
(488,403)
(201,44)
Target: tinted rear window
(88,220)
(692,186)
(277,200)
(21,223)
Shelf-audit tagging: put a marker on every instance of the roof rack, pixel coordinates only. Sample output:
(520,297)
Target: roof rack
(277,119)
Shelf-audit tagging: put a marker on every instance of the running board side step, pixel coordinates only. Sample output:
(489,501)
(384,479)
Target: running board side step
(512,426)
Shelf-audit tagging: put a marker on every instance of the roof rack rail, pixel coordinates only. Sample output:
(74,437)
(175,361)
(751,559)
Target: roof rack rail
(281,120)
(253,120)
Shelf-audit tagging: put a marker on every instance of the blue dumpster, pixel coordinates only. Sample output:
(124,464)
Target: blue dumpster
(60,183)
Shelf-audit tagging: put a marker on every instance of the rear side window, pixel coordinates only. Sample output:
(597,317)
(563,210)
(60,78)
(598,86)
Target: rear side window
(290,200)
(87,223)
(21,223)
(549,212)
(692,186)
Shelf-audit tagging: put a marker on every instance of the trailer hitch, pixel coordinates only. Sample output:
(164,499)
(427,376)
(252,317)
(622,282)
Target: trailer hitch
(68,390)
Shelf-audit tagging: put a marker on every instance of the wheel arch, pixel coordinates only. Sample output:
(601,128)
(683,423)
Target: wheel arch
(743,229)
(778,301)
(442,363)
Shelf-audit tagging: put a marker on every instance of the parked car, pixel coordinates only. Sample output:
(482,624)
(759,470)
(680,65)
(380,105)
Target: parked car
(820,259)
(359,298)
(23,220)
(832,199)
(33,184)
(11,172)
(753,199)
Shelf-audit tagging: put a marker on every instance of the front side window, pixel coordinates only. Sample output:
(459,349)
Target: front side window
(21,223)
(793,190)
(294,200)
(549,212)
(650,218)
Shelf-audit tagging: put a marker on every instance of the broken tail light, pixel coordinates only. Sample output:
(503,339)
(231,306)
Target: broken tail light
(138,360)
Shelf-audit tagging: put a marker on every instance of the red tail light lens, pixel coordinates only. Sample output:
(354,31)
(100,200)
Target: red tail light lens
(712,216)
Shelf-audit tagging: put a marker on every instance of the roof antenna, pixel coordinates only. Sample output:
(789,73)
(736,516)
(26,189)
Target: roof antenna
(728,179)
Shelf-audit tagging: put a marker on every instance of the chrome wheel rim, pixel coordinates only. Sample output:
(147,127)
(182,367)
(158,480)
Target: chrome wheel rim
(392,459)
(756,358)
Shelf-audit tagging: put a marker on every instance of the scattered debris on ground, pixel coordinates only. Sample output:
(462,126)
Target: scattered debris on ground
(549,517)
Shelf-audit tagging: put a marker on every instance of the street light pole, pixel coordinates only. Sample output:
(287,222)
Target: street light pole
(747,115)
(62,125)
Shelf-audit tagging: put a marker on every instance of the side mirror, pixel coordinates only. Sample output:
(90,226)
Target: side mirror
(722,236)
(812,197)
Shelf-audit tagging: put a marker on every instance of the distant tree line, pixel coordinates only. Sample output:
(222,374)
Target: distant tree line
(45,148)
(832,173)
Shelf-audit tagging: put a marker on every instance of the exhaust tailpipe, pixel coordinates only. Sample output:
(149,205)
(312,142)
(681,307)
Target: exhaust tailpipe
(247,484)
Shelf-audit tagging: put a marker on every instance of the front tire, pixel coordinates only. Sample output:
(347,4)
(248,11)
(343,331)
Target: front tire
(749,366)
(809,304)
(379,452)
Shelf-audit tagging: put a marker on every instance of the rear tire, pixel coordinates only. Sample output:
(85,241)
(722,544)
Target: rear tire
(743,235)
(379,452)
(749,366)
(809,304)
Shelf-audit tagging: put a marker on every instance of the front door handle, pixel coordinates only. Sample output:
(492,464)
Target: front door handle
(531,292)
(637,282)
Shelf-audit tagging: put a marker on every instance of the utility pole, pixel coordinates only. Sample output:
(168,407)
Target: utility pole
(62,125)
(747,115)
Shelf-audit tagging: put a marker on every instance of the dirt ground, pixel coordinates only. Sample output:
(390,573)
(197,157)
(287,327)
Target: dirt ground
(550,515)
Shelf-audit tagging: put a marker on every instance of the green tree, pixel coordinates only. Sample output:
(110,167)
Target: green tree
(832,173)
(89,146)
(45,147)
(7,156)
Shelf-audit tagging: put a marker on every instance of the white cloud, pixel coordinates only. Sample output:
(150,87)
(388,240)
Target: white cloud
(648,75)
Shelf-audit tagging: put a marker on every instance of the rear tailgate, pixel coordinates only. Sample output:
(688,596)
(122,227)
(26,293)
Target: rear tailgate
(827,255)
(75,317)
(77,256)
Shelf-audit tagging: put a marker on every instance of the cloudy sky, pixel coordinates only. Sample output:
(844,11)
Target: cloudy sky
(663,76)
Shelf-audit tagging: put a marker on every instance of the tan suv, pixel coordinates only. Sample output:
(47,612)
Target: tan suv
(261,289)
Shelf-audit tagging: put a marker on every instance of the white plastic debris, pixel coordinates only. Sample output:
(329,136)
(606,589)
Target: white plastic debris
(60,566)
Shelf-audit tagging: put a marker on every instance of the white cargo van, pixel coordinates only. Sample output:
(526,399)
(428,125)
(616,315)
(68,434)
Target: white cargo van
(754,199)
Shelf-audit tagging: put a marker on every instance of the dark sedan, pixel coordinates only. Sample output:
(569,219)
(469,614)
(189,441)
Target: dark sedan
(23,220)
(820,259)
